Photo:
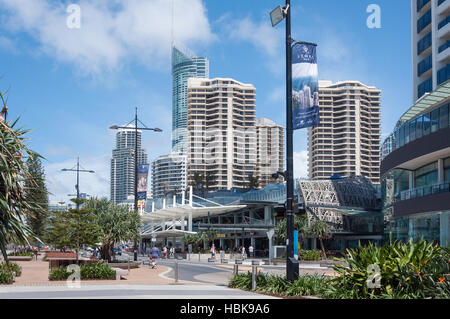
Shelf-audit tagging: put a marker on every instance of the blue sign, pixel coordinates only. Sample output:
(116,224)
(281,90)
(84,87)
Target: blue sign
(142,182)
(305,86)
(296,244)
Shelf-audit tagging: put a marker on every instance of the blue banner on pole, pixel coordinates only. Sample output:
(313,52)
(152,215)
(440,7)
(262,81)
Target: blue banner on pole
(296,244)
(305,86)
(142,181)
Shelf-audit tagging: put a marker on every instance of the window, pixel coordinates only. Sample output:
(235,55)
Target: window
(435,120)
(412,130)
(447,169)
(426,124)
(406,133)
(402,136)
(425,65)
(424,21)
(443,117)
(419,127)
(443,74)
(425,86)
(424,43)
(426,175)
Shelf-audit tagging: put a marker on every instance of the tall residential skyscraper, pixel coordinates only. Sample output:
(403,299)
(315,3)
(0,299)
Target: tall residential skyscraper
(270,150)
(221,131)
(168,174)
(123,164)
(430,45)
(347,141)
(185,65)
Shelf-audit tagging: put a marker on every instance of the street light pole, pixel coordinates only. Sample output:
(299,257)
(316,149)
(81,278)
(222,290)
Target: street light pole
(77,170)
(291,272)
(135,174)
(136,128)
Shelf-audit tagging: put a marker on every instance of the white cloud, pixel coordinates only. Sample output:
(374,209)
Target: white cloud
(60,184)
(301,164)
(260,34)
(111,32)
(7,44)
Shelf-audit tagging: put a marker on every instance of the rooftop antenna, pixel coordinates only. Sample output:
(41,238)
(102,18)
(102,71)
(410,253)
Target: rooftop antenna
(172,26)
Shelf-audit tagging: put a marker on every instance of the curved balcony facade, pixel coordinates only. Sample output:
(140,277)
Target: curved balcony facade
(415,171)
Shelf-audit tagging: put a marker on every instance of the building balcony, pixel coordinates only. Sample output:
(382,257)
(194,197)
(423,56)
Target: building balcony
(444,31)
(444,8)
(444,54)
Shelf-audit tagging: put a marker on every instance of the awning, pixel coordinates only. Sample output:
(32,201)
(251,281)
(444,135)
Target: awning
(167,233)
(170,213)
(428,100)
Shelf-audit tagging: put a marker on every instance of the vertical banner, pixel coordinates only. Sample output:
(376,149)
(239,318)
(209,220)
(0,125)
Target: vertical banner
(296,244)
(305,86)
(142,182)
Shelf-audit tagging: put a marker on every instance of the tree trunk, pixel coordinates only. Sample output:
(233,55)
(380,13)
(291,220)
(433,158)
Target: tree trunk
(323,248)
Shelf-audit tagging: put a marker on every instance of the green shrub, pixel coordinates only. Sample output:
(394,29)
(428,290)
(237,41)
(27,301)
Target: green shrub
(87,271)
(305,285)
(12,267)
(97,271)
(22,254)
(60,273)
(6,276)
(308,285)
(309,254)
(407,270)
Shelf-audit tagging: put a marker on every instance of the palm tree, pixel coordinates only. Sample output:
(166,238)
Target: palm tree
(300,224)
(13,172)
(253,182)
(197,182)
(209,178)
(320,229)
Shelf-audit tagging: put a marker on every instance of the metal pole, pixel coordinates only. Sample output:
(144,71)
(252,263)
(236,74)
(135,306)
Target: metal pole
(78,182)
(290,272)
(236,269)
(176,271)
(254,273)
(135,174)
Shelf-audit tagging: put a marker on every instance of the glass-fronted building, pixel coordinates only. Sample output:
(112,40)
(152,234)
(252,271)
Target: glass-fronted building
(184,66)
(416,171)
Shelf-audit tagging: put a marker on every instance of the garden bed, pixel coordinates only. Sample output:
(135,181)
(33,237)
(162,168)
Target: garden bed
(20,258)
(124,264)
(405,271)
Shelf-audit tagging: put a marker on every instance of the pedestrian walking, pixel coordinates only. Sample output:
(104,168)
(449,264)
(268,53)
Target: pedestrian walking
(251,251)
(244,254)
(213,251)
(154,255)
(165,252)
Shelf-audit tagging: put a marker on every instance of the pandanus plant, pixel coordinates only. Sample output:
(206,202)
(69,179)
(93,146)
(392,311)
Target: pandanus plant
(13,172)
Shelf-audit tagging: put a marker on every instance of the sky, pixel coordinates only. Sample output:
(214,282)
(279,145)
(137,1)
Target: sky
(69,85)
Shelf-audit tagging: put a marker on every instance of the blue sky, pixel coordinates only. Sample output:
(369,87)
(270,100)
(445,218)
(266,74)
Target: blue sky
(70,85)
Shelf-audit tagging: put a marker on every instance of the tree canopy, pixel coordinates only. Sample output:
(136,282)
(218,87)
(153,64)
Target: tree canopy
(14,205)
(116,224)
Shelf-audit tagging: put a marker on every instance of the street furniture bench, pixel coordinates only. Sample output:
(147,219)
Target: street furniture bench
(120,272)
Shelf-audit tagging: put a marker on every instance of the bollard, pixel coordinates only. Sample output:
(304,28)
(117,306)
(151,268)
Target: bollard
(198,256)
(129,266)
(236,269)
(189,257)
(176,271)
(254,273)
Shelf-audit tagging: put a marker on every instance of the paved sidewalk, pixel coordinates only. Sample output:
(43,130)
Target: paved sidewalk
(318,271)
(128,292)
(35,273)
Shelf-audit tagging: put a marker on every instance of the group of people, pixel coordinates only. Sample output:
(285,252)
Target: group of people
(155,254)
(168,252)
